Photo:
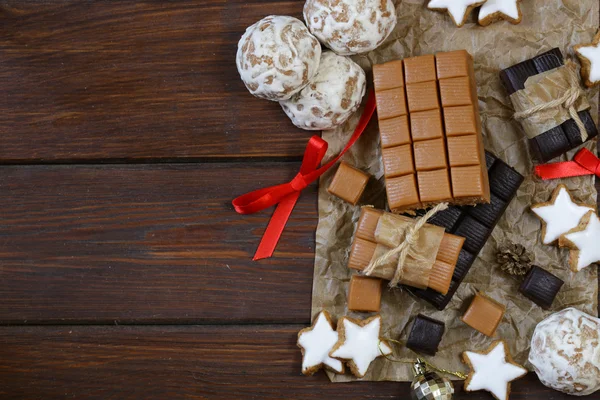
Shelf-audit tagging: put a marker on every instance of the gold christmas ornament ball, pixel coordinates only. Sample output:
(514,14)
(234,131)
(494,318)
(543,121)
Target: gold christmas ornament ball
(429,385)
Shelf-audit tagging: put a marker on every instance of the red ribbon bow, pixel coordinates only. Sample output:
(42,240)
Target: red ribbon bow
(584,163)
(287,194)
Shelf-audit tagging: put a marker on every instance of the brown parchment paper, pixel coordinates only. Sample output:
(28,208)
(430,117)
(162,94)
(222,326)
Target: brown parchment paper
(546,24)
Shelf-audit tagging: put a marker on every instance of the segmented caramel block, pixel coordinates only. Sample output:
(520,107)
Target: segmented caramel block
(419,69)
(395,131)
(388,76)
(422,96)
(460,120)
(468,183)
(464,150)
(484,314)
(402,192)
(430,154)
(452,64)
(364,294)
(434,186)
(398,161)
(391,103)
(426,125)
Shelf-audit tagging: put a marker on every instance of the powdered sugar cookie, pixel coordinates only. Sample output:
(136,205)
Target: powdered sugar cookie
(360,343)
(459,10)
(492,370)
(277,57)
(494,10)
(351,26)
(316,342)
(559,215)
(584,242)
(589,56)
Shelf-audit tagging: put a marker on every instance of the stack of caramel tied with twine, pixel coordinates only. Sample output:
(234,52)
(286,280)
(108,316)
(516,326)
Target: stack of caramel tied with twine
(405,250)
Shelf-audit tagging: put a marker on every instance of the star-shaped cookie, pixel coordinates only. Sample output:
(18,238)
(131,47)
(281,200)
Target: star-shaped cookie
(559,215)
(360,343)
(459,10)
(316,342)
(584,242)
(492,370)
(589,56)
(494,10)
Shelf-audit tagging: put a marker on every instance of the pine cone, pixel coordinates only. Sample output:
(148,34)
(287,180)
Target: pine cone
(514,259)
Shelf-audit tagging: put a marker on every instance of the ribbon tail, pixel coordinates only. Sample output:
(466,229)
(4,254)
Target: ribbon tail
(276,225)
(565,169)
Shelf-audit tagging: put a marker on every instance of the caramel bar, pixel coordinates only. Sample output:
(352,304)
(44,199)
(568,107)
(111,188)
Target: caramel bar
(365,248)
(431,141)
(484,314)
(348,183)
(364,294)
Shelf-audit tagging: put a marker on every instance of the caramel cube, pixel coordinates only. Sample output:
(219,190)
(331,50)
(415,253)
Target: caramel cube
(361,253)
(402,192)
(464,150)
(452,64)
(422,96)
(434,186)
(468,182)
(455,92)
(394,131)
(419,69)
(484,314)
(450,248)
(460,120)
(441,276)
(348,183)
(364,294)
(397,161)
(388,75)
(426,125)
(367,223)
(390,103)
(430,154)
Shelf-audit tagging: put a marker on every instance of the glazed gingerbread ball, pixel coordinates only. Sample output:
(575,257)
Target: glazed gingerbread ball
(350,26)
(277,57)
(331,98)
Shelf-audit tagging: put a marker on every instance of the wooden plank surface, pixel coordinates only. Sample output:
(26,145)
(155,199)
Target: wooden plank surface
(149,244)
(193,362)
(116,80)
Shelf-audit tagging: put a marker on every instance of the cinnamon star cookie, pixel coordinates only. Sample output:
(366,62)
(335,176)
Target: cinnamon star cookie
(459,10)
(589,56)
(584,242)
(494,10)
(316,342)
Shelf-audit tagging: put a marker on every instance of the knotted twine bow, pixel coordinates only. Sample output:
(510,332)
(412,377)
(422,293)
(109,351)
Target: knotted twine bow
(567,100)
(584,163)
(286,195)
(406,247)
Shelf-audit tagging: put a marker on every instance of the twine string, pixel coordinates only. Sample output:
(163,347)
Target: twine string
(412,361)
(406,247)
(567,100)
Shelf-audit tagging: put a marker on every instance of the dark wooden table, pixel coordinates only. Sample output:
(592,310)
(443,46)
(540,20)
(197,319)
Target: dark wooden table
(124,272)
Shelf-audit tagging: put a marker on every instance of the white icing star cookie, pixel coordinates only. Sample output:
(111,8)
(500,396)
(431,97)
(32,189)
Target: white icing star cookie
(559,215)
(494,10)
(359,343)
(459,10)
(589,56)
(584,242)
(492,370)
(316,342)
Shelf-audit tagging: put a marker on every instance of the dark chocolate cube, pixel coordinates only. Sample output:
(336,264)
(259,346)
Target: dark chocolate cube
(488,214)
(541,287)
(552,143)
(504,181)
(549,60)
(514,77)
(474,232)
(489,160)
(425,335)
(446,218)
(463,265)
(438,300)
(572,131)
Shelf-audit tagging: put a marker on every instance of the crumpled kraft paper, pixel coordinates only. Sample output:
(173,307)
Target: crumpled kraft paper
(546,24)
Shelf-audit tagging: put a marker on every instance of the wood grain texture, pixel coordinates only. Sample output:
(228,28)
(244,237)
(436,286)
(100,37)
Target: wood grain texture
(194,362)
(135,80)
(149,244)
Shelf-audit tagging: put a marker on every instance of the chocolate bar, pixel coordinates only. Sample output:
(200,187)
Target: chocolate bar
(562,138)
(431,141)
(425,335)
(366,247)
(475,224)
(364,294)
(541,287)
(348,183)
(484,314)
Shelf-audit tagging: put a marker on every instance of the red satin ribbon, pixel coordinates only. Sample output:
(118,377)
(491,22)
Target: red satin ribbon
(584,163)
(287,194)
